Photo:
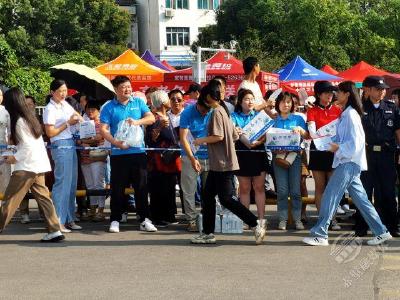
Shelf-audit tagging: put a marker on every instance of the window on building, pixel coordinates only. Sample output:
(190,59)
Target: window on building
(177,4)
(178,36)
(209,4)
(203,4)
(216,4)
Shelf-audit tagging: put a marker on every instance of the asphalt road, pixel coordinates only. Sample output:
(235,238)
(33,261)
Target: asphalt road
(94,264)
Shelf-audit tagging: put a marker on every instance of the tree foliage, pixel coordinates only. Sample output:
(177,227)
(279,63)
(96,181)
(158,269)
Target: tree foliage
(335,32)
(37,34)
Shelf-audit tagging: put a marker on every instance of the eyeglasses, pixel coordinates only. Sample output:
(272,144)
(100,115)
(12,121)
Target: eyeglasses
(176,99)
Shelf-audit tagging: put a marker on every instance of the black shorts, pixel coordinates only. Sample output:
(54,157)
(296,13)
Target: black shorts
(320,160)
(251,164)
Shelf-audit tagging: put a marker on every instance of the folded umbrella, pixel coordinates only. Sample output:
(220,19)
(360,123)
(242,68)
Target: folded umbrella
(85,80)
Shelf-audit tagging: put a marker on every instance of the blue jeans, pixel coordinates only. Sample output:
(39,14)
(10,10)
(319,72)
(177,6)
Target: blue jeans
(288,183)
(346,176)
(65,175)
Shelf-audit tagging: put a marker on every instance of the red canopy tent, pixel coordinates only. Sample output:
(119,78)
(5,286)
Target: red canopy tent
(328,69)
(358,72)
(223,64)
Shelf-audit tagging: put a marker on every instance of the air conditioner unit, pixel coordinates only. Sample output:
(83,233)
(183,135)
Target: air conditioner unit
(169,13)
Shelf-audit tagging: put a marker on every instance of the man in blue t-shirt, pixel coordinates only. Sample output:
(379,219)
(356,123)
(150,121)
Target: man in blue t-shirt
(128,165)
(193,123)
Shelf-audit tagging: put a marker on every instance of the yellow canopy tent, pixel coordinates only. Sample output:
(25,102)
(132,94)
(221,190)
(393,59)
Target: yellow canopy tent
(131,65)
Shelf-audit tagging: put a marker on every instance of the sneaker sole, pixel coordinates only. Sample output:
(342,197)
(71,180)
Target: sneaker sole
(144,229)
(313,244)
(203,242)
(54,240)
(260,238)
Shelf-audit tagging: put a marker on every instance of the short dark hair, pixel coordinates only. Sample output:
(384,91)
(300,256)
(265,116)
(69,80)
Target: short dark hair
(282,97)
(119,79)
(241,94)
(175,91)
(56,84)
(268,94)
(92,104)
(150,90)
(249,63)
(396,92)
(221,79)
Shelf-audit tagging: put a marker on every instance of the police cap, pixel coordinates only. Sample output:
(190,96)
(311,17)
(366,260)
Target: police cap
(375,81)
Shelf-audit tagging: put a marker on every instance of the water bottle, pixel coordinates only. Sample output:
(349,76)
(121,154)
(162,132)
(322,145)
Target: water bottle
(231,223)
(237,224)
(199,222)
(218,224)
(226,223)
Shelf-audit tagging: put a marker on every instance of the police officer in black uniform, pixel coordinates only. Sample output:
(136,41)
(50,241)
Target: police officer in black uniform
(381,122)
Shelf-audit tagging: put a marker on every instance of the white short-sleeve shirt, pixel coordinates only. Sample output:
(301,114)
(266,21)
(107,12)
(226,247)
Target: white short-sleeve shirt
(57,114)
(31,152)
(255,88)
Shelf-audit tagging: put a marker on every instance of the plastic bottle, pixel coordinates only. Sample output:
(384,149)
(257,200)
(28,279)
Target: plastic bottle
(199,222)
(218,223)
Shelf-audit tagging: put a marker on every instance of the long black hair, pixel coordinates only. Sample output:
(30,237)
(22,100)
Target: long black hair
(212,89)
(354,98)
(15,104)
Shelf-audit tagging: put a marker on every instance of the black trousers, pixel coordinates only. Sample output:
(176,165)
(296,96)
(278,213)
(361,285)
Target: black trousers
(126,170)
(221,184)
(162,196)
(379,181)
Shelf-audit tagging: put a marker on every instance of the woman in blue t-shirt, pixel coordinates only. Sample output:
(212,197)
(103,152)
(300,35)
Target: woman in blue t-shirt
(252,164)
(288,176)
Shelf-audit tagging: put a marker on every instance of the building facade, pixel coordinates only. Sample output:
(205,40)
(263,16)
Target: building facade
(131,7)
(168,27)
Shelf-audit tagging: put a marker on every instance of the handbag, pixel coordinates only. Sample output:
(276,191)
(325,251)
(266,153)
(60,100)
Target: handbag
(285,160)
(98,154)
(168,155)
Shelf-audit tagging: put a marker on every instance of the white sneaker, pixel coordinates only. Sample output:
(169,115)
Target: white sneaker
(114,227)
(379,239)
(259,231)
(204,239)
(299,225)
(53,237)
(73,226)
(316,241)
(146,225)
(282,225)
(63,229)
(340,211)
(124,218)
(347,209)
(25,219)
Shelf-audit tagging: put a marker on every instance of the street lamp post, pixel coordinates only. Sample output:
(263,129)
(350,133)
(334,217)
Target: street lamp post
(198,61)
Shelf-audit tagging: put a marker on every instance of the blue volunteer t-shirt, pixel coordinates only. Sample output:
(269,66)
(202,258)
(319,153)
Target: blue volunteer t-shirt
(290,122)
(114,112)
(193,120)
(241,120)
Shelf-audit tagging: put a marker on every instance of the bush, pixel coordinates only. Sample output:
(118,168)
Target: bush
(32,81)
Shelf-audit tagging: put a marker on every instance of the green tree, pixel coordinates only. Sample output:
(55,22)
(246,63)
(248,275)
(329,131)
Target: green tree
(8,59)
(32,81)
(335,32)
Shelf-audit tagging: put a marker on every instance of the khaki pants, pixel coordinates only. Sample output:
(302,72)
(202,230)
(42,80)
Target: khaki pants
(19,185)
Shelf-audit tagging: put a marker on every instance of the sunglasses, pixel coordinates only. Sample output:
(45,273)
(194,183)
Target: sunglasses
(176,99)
